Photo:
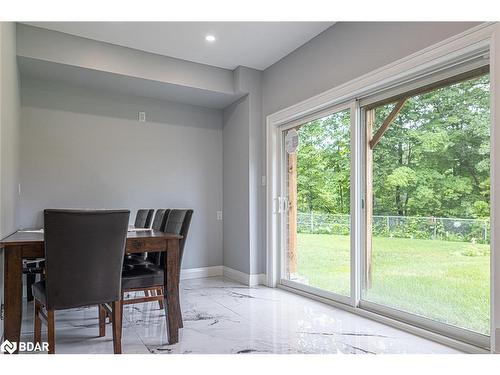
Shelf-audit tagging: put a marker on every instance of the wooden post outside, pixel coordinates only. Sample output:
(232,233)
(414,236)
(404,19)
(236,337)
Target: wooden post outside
(292,213)
(370,121)
(372,141)
(383,128)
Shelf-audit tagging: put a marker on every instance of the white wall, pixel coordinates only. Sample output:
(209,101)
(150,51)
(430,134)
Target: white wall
(9,129)
(86,149)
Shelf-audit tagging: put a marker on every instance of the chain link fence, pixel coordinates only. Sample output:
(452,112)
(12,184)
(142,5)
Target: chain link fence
(430,228)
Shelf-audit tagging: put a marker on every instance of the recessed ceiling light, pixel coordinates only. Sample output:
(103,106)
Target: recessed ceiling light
(210,38)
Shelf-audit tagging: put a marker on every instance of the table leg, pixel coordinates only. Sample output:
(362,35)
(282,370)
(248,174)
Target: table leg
(13,271)
(171,297)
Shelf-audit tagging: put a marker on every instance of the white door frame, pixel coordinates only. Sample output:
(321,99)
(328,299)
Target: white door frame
(282,189)
(485,36)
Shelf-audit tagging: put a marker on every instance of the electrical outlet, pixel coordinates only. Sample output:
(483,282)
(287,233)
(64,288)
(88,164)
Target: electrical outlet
(263,181)
(142,116)
(219,215)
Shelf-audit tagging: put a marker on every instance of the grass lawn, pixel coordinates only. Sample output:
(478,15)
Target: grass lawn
(442,280)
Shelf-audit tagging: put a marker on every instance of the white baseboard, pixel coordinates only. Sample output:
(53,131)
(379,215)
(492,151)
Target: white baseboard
(196,273)
(244,278)
(230,273)
(258,279)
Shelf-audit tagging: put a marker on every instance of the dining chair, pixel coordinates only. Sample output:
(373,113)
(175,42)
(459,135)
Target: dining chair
(159,223)
(84,255)
(143,218)
(148,276)
(32,268)
(160,219)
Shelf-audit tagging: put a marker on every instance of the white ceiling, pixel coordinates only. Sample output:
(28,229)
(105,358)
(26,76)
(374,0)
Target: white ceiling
(253,44)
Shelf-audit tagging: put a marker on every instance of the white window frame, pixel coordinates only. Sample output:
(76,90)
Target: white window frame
(480,38)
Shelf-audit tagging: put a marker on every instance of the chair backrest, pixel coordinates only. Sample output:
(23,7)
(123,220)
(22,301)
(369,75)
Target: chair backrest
(159,223)
(178,222)
(160,219)
(84,252)
(143,218)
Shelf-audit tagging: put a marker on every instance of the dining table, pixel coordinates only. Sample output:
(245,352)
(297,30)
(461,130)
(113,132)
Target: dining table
(29,244)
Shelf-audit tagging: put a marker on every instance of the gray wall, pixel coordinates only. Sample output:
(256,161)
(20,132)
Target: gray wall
(72,50)
(250,81)
(9,129)
(236,186)
(86,149)
(243,192)
(346,51)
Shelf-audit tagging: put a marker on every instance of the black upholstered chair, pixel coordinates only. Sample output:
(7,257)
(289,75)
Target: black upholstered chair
(160,219)
(148,276)
(84,255)
(143,218)
(178,222)
(159,223)
(32,268)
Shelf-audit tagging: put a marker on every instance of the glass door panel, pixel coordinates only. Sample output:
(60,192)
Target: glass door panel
(317,165)
(428,241)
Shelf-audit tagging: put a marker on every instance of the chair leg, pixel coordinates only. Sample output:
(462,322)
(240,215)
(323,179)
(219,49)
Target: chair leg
(102,321)
(117,326)
(30,280)
(51,331)
(146,293)
(159,292)
(181,322)
(121,310)
(38,323)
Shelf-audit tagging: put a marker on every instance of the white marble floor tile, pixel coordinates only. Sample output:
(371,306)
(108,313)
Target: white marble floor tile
(222,316)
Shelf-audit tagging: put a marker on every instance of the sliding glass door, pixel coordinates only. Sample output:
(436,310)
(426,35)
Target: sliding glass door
(316,177)
(428,207)
(411,238)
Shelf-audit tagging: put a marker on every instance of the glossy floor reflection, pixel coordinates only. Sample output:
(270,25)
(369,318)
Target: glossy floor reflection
(222,316)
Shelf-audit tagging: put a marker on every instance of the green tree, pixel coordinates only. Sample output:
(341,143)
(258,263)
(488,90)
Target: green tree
(432,161)
(323,171)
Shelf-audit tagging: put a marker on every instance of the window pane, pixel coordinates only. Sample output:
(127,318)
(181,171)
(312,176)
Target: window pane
(319,189)
(431,207)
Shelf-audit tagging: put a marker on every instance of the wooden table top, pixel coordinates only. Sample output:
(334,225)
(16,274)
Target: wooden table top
(24,238)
